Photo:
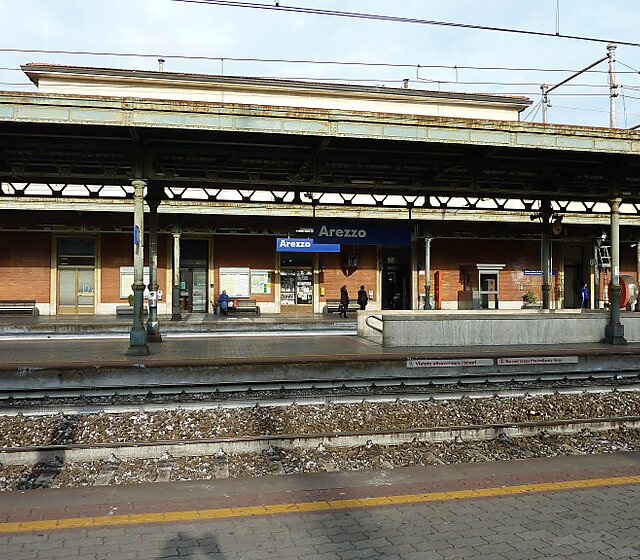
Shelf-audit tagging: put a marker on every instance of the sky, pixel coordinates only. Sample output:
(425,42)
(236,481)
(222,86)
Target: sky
(173,28)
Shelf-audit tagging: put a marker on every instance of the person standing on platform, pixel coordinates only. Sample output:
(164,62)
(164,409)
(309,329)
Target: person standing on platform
(223,302)
(584,296)
(344,301)
(362,298)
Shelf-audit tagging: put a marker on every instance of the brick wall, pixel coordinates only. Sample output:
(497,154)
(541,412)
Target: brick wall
(25,266)
(116,250)
(253,252)
(452,257)
(333,276)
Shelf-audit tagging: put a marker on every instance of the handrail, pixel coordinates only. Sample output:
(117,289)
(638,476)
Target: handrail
(377,318)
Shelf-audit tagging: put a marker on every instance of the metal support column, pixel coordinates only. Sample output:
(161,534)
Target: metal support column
(138,336)
(614,332)
(153,326)
(546,254)
(175,311)
(427,272)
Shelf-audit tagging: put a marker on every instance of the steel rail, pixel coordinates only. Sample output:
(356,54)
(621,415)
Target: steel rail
(442,393)
(161,449)
(13,396)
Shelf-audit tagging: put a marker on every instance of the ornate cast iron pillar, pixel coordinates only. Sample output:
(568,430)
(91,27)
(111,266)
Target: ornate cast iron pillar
(545,214)
(153,325)
(138,336)
(175,308)
(614,332)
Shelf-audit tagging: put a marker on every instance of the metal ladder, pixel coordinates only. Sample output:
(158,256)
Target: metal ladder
(605,256)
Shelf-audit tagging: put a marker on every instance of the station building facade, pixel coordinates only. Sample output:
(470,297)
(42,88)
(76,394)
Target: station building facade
(72,268)
(73,256)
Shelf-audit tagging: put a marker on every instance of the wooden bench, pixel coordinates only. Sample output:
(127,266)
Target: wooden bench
(333,305)
(242,305)
(18,307)
(127,310)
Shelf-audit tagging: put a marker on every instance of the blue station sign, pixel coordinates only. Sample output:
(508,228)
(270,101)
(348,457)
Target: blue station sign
(292,245)
(362,233)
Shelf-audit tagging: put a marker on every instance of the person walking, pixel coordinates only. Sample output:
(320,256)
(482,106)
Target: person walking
(344,301)
(223,302)
(362,298)
(584,296)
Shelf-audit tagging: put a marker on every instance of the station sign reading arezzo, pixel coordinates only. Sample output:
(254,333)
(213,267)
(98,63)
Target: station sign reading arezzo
(359,233)
(292,245)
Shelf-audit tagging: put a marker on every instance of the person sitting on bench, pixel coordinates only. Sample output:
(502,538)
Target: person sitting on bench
(223,302)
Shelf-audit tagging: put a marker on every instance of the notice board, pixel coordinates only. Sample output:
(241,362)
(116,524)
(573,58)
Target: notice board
(236,281)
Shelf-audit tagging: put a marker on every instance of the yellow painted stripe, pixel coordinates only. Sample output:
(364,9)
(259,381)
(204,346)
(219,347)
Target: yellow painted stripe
(230,512)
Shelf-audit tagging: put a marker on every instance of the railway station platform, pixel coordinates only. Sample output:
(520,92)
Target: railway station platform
(575,507)
(190,323)
(89,352)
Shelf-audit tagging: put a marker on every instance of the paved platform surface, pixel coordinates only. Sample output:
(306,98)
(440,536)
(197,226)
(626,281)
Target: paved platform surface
(190,322)
(260,348)
(585,507)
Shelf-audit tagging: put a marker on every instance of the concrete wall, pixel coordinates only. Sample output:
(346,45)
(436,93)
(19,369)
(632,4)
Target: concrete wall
(477,328)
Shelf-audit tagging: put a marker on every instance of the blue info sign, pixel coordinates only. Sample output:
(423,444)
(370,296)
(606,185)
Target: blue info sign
(362,233)
(292,245)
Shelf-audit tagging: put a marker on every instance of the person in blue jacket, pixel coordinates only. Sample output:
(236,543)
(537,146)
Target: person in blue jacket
(223,302)
(584,296)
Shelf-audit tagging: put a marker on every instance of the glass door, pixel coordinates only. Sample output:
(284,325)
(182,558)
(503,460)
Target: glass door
(76,275)
(488,290)
(296,290)
(76,290)
(288,288)
(193,290)
(198,290)
(304,287)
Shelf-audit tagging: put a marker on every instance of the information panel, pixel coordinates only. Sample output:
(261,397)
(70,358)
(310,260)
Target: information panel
(236,281)
(126,280)
(260,281)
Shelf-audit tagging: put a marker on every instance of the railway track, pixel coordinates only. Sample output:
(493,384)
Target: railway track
(312,398)
(258,443)
(31,455)
(412,387)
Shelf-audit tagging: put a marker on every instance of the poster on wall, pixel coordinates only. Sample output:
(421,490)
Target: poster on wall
(287,287)
(235,280)
(260,281)
(126,280)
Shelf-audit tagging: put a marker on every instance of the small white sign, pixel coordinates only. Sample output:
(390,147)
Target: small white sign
(537,360)
(463,362)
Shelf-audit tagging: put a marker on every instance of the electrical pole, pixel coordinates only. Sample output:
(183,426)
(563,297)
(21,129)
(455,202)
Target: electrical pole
(611,54)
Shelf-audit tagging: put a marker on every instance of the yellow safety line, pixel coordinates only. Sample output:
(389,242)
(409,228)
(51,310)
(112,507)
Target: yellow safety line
(229,512)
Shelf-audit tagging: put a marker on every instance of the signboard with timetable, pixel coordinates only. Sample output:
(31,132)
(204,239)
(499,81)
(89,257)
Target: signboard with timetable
(235,280)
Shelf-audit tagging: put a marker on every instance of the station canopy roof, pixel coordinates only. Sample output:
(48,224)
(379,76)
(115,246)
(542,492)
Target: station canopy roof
(106,127)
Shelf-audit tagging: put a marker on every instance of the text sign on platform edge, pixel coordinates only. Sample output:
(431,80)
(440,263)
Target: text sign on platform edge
(463,362)
(537,360)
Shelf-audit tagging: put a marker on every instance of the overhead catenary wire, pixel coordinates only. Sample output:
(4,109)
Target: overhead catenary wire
(400,19)
(117,54)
